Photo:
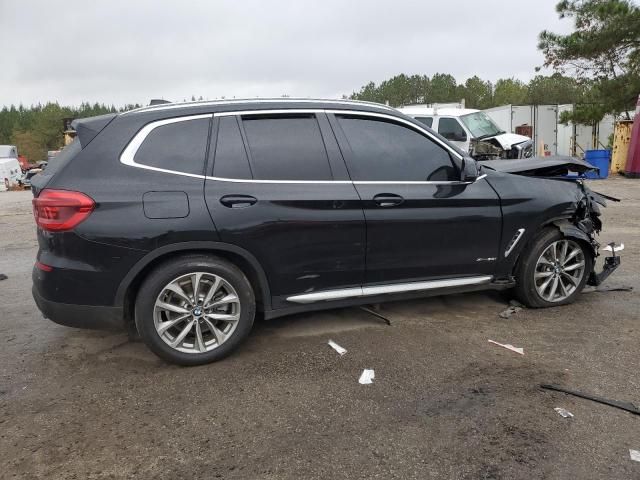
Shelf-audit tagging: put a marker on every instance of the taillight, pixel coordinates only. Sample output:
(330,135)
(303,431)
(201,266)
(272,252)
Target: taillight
(60,210)
(44,267)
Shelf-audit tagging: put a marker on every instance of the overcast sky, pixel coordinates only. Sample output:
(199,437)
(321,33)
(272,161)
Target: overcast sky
(130,51)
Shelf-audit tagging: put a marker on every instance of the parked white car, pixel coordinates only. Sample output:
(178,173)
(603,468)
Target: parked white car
(472,131)
(10,170)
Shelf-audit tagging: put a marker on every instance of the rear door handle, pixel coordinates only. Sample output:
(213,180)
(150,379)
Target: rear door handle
(238,201)
(388,199)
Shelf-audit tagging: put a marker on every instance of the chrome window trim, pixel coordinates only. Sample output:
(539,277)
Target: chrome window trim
(327,295)
(277,111)
(128,155)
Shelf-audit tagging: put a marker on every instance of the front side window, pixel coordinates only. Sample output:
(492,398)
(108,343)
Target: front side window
(286,147)
(178,146)
(451,129)
(386,151)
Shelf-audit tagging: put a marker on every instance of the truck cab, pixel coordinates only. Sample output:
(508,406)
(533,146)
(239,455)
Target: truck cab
(472,131)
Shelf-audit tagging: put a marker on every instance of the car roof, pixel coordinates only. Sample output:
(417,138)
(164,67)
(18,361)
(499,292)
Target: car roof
(413,110)
(261,104)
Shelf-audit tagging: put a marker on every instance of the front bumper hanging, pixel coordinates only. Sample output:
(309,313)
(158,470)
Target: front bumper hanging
(610,264)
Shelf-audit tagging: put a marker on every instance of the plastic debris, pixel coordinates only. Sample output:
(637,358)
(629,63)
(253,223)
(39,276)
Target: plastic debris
(608,288)
(628,406)
(508,346)
(341,351)
(635,455)
(376,314)
(366,377)
(3,276)
(514,307)
(564,413)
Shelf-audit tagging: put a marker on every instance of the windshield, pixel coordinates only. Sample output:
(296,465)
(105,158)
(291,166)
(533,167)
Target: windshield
(480,125)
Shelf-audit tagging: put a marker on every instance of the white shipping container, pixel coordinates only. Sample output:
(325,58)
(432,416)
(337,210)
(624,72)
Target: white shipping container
(550,137)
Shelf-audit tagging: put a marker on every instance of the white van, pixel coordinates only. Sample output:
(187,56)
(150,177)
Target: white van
(10,170)
(472,131)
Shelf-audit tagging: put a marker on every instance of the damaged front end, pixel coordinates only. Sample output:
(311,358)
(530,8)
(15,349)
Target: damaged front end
(585,225)
(492,149)
(582,221)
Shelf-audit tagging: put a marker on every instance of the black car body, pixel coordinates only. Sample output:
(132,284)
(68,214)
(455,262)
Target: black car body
(315,204)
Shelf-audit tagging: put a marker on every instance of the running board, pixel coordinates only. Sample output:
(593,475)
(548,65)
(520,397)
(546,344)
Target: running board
(327,295)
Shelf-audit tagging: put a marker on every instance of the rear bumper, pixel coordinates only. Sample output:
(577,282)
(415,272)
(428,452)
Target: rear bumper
(80,316)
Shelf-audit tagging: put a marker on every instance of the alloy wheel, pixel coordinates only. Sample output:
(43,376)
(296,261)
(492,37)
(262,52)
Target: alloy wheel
(559,270)
(197,312)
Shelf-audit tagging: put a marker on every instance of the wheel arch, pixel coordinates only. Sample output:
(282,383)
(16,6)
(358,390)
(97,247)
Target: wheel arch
(244,260)
(566,228)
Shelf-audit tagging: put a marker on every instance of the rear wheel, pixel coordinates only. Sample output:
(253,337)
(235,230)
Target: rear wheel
(195,309)
(553,270)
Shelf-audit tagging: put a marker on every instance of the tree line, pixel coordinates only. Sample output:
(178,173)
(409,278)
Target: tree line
(39,128)
(478,93)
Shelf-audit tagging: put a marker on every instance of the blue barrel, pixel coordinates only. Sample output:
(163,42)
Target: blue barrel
(599,159)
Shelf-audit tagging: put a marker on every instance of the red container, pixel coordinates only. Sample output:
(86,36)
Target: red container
(632,168)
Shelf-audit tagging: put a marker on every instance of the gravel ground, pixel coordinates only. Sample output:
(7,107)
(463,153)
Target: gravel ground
(444,403)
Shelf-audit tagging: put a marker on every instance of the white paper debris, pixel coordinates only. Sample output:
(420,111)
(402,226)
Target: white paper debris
(508,346)
(341,351)
(635,455)
(366,377)
(563,412)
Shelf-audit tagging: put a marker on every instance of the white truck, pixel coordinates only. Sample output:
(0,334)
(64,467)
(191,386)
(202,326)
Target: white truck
(10,171)
(472,131)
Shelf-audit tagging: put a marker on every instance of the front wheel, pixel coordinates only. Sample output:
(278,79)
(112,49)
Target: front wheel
(552,271)
(195,309)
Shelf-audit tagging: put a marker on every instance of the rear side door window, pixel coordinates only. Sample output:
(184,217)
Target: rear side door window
(178,146)
(387,151)
(286,147)
(231,159)
(451,129)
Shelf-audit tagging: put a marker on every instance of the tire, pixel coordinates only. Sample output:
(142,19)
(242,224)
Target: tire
(212,332)
(537,266)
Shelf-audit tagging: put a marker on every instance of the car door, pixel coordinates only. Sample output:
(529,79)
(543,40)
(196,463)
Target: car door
(279,189)
(422,221)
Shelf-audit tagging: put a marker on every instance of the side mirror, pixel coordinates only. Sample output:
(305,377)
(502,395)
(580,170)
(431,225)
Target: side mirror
(469,171)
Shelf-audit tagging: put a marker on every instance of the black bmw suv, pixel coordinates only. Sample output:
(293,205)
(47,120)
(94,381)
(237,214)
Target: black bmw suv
(187,220)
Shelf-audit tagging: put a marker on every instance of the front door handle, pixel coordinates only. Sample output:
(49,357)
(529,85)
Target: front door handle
(238,201)
(388,199)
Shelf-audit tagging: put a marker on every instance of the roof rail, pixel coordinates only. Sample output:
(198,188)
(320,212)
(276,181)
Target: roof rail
(170,105)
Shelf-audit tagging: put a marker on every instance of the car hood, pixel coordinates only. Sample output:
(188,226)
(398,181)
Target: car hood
(540,166)
(507,140)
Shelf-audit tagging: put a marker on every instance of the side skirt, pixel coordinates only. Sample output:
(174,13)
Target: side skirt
(381,298)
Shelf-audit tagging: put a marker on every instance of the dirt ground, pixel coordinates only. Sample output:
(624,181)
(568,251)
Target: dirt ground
(445,403)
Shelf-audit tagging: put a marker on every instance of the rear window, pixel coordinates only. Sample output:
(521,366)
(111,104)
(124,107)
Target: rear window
(178,146)
(286,148)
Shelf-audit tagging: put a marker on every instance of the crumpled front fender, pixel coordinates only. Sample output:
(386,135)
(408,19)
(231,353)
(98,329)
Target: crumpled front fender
(570,230)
